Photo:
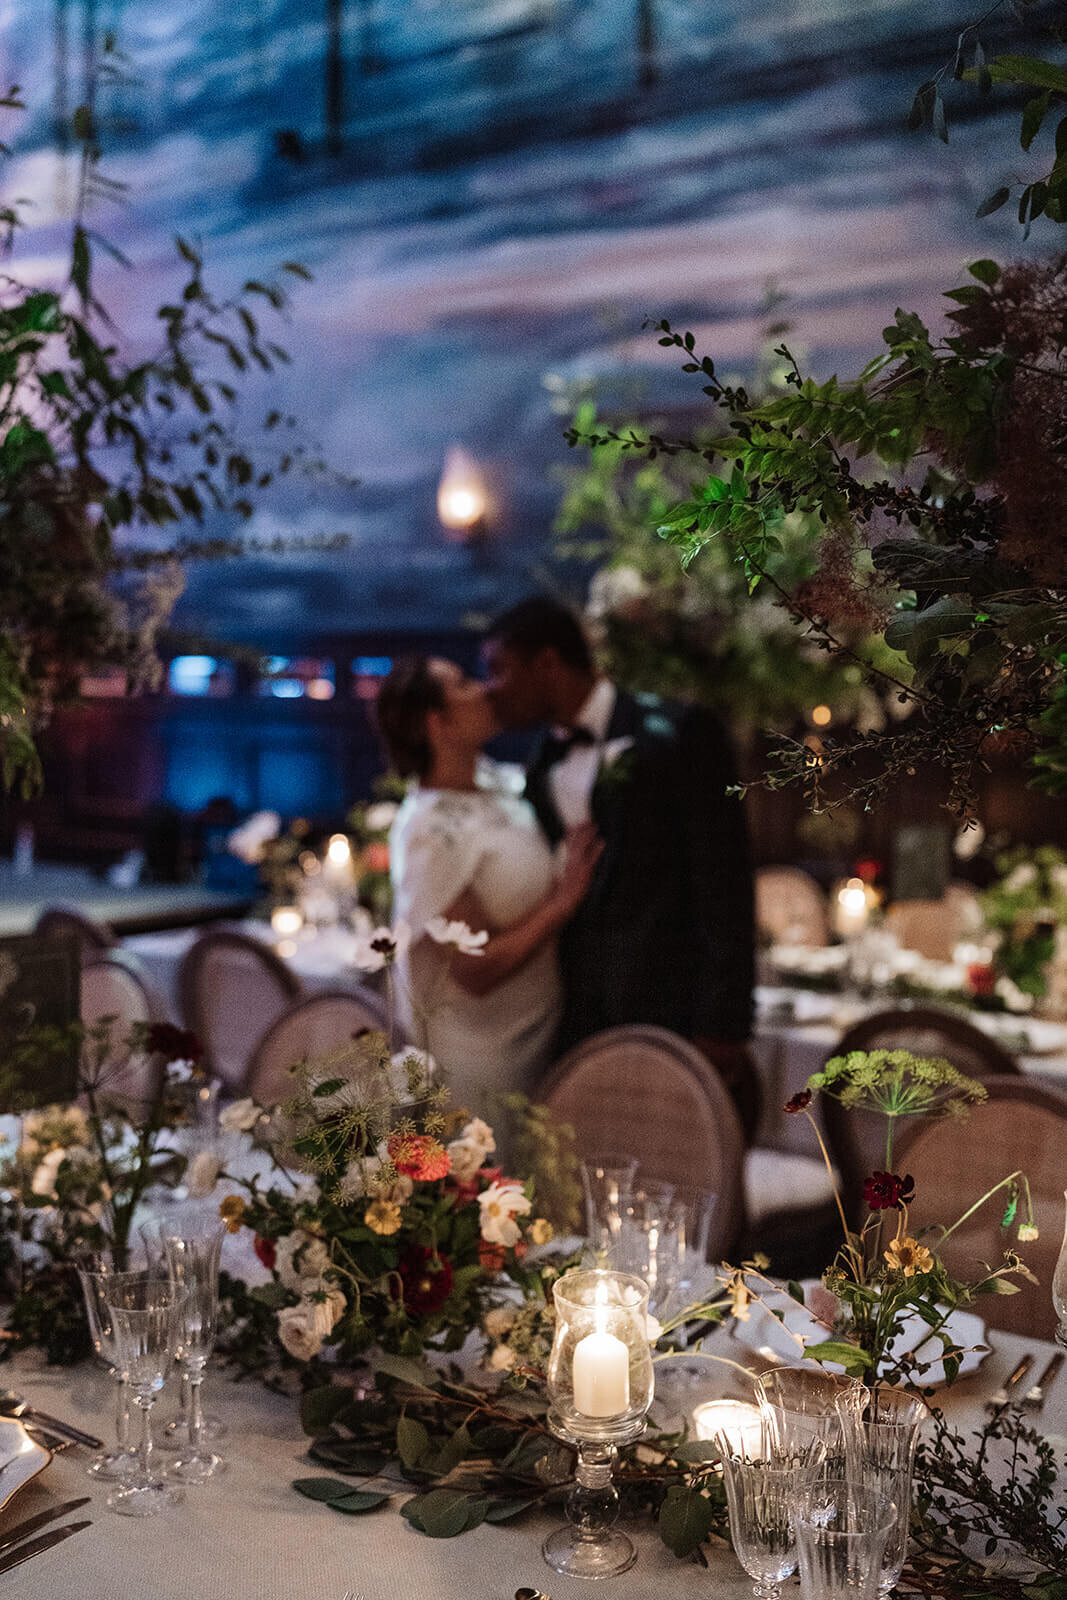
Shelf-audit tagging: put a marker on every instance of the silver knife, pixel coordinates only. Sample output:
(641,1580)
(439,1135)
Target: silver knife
(22,1530)
(36,1547)
(31,1414)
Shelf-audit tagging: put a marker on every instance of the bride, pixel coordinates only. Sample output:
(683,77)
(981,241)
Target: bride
(466,849)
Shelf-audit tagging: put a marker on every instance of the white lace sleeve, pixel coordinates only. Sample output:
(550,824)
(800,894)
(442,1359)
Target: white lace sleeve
(436,848)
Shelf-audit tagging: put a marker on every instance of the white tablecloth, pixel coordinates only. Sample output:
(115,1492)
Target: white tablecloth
(249,1536)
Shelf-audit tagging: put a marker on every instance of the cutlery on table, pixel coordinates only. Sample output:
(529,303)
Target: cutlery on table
(1005,1394)
(37,1547)
(22,1530)
(1034,1398)
(15,1405)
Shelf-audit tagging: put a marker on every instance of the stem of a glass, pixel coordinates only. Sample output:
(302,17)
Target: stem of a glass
(122,1412)
(767,1591)
(193,1377)
(145,1401)
(593,1503)
(183,1399)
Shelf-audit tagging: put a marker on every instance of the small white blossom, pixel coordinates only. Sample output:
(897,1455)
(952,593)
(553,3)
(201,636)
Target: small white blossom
(653,1328)
(380,816)
(441,931)
(502,1358)
(239,1117)
(499,1206)
(466,1159)
(479,1133)
(1020,877)
(249,841)
(313,1260)
(1014,998)
(299,1330)
(500,1320)
(381,947)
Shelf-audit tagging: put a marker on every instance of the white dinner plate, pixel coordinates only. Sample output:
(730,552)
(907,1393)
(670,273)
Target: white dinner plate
(768,1337)
(21,1458)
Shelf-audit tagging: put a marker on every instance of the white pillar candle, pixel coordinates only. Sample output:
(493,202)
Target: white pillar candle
(601,1374)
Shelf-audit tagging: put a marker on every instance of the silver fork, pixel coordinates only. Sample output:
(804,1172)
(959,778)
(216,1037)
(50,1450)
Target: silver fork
(1034,1398)
(1005,1394)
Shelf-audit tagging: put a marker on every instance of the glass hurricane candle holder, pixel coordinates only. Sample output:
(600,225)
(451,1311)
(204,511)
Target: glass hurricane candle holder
(601,1385)
(1059,1290)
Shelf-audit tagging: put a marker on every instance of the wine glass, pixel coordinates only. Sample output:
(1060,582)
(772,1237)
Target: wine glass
(145,1315)
(193,1260)
(607,1180)
(175,1434)
(803,1409)
(95,1273)
(761,1487)
(880,1445)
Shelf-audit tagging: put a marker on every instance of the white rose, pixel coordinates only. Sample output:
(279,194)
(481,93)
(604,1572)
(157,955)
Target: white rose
(298,1330)
(500,1321)
(202,1174)
(499,1206)
(314,1258)
(502,1358)
(327,1313)
(479,1133)
(466,1159)
(239,1117)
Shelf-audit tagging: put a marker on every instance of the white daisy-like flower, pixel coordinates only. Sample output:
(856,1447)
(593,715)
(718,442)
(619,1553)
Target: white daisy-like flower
(381,947)
(499,1206)
(441,931)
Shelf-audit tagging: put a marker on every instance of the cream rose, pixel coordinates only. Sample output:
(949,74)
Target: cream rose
(202,1174)
(299,1330)
(298,1256)
(239,1117)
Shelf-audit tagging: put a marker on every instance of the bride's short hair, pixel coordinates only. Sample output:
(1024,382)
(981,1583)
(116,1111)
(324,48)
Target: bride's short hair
(405,698)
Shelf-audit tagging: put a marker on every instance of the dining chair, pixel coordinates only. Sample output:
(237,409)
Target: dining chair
(231,987)
(93,937)
(651,1094)
(314,1026)
(856,1139)
(935,927)
(790,907)
(1022,1125)
(115,994)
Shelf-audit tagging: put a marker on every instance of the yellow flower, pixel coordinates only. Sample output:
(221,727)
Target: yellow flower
(740,1296)
(909,1257)
(382,1216)
(1028,1233)
(232,1211)
(541,1231)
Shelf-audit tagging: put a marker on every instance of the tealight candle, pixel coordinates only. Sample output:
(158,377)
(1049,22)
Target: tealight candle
(736,1421)
(601,1376)
(286,920)
(852,909)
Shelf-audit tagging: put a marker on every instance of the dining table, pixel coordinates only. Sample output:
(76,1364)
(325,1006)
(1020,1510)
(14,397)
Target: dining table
(248,1535)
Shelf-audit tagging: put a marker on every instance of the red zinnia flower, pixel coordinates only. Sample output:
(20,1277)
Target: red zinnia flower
(427,1280)
(177,1044)
(799,1101)
(418,1156)
(884,1191)
(266,1251)
(490,1256)
(981,978)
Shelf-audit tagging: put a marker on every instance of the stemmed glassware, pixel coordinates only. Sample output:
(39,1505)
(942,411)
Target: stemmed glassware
(175,1434)
(841,1530)
(193,1260)
(96,1273)
(607,1181)
(803,1411)
(761,1487)
(880,1442)
(146,1319)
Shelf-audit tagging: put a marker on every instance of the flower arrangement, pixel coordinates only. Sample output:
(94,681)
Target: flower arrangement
(377,1228)
(1026,907)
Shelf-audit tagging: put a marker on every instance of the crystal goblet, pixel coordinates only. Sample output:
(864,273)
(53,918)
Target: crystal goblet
(145,1314)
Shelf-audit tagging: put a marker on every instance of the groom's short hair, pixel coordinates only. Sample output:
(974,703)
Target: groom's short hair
(541,623)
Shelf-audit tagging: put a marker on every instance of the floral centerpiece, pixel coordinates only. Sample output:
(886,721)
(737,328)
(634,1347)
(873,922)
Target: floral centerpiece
(378,1229)
(1026,907)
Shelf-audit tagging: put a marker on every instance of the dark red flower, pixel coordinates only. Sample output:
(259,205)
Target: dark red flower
(176,1044)
(427,1278)
(981,978)
(884,1191)
(868,869)
(266,1251)
(799,1101)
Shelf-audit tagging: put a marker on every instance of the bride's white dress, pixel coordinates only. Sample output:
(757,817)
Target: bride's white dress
(443,842)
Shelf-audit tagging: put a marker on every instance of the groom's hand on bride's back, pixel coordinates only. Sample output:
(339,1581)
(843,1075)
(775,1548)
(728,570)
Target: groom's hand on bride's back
(582,849)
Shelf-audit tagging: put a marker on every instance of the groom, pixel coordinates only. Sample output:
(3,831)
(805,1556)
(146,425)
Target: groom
(665,934)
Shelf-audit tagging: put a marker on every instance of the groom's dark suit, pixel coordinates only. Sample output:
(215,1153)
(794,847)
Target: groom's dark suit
(665,934)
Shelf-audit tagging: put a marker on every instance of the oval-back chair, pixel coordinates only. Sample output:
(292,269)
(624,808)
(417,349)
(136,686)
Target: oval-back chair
(790,907)
(114,987)
(649,1093)
(1021,1125)
(231,988)
(93,937)
(314,1026)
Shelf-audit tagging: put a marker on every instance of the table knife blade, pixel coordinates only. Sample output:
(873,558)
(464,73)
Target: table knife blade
(31,1414)
(36,1547)
(22,1530)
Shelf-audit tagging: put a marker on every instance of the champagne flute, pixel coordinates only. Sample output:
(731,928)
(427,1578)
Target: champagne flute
(146,1317)
(193,1259)
(95,1273)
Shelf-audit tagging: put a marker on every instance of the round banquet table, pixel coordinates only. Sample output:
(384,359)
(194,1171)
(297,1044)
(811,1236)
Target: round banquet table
(249,1536)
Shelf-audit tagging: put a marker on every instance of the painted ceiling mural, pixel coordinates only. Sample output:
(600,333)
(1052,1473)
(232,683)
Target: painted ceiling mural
(493,195)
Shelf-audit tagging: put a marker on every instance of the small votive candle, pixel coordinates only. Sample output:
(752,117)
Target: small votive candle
(286,920)
(736,1421)
(601,1376)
